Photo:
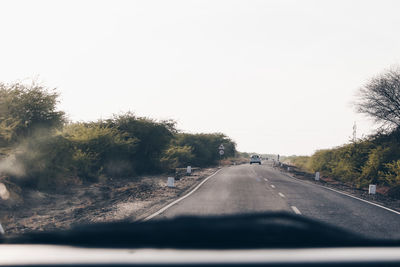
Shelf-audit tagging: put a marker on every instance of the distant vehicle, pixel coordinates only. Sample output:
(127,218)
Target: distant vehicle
(255,159)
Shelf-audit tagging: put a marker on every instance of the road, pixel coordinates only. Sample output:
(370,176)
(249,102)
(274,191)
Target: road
(260,188)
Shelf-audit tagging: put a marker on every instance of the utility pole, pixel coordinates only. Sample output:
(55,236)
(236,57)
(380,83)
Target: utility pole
(354,132)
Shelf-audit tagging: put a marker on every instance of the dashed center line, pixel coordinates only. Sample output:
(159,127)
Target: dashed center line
(265,179)
(282,195)
(296,210)
(273,186)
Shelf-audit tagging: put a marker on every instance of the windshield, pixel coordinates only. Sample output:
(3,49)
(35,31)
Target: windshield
(136,111)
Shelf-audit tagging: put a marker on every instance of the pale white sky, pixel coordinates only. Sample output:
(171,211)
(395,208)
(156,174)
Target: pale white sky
(276,76)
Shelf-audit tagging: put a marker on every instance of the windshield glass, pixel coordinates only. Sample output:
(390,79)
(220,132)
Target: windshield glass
(136,111)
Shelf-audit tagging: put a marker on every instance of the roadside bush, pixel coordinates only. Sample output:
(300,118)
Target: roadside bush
(302,162)
(45,162)
(374,160)
(392,174)
(205,147)
(25,110)
(177,157)
(152,138)
(101,150)
(39,149)
(321,161)
(376,165)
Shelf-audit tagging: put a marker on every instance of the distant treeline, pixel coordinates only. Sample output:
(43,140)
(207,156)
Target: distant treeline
(40,148)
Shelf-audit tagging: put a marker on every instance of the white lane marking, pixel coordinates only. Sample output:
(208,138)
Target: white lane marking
(273,186)
(296,210)
(342,193)
(282,195)
(265,179)
(372,203)
(180,199)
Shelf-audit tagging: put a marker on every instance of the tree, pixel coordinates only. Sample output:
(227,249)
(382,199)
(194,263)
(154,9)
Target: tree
(205,147)
(177,156)
(25,109)
(380,98)
(152,136)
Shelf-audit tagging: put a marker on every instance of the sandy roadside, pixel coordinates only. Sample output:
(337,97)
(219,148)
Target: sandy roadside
(118,199)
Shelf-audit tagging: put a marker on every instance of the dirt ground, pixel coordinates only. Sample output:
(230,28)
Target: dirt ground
(121,199)
(379,198)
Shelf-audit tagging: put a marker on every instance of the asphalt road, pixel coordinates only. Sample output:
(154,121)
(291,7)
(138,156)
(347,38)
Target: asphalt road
(260,188)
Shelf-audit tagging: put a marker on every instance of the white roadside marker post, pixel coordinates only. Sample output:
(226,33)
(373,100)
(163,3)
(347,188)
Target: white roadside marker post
(171,182)
(288,169)
(189,170)
(316,176)
(2,232)
(372,189)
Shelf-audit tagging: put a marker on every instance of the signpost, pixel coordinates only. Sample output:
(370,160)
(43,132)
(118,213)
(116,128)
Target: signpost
(221,150)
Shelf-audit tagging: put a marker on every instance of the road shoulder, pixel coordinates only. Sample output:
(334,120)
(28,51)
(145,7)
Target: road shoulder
(341,188)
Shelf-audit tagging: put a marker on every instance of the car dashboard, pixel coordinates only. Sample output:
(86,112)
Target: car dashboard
(270,239)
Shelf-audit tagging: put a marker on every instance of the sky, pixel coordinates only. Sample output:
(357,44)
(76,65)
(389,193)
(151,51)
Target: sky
(276,76)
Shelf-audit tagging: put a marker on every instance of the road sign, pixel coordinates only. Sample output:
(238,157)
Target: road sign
(221,147)
(221,152)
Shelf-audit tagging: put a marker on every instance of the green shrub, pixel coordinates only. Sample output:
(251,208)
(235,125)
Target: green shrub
(391,176)
(321,161)
(46,161)
(177,157)
(375,165)
(25,110)
(152,138)
(205,147)
(101,150)
(302,162)
(51,153)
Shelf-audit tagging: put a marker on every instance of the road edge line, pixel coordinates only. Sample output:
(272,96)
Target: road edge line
(343,193)
(179,199)
(296,210)
(369,202)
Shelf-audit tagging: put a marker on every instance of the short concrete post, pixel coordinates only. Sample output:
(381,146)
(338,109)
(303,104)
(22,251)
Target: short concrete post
(171,182)
(372,189)
(316,176)
(189,170)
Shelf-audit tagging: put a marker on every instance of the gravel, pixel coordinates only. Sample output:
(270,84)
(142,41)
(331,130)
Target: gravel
(115,200)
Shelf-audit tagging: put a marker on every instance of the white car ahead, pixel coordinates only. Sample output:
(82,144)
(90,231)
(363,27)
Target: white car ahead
(255,159)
